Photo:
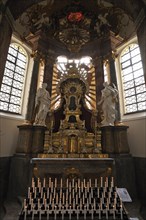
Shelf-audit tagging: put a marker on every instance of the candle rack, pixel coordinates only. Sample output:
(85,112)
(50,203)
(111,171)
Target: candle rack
(74,199)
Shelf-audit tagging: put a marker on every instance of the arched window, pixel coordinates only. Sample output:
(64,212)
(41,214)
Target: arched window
(134,89)
(13,80)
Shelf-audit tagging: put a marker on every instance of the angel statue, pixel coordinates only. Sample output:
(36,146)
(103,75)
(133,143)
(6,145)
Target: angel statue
(108,100)
(42,103)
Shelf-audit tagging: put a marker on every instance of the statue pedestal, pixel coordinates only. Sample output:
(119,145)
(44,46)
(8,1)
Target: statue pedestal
(114,139)
(31,139)
(25,139)
(38,139)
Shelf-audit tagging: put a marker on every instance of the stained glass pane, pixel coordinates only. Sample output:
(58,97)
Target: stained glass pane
(140,89)
(139,80)
(130,100)
(141,97)
(10,66)
(127,77)
(128,85)
(138,73)
(141,106)
(130,92)
(137,66)
(136,59)
(125,57)
(126,64)
(135,52)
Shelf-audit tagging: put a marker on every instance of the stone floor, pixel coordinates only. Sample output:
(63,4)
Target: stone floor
(13,209)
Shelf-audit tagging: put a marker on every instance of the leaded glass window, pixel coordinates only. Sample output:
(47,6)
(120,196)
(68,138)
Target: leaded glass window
(13,80)
(133,80)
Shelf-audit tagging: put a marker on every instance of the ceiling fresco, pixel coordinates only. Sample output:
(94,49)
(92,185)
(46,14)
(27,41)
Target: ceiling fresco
(75,23)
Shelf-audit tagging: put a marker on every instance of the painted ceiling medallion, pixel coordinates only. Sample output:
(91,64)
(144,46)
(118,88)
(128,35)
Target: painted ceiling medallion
(75,16)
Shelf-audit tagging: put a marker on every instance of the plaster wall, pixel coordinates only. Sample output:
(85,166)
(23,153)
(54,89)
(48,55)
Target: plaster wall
(8,135)
(137,136)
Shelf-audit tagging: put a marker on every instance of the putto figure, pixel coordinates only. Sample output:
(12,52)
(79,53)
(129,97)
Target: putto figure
(42,103)
(108,100)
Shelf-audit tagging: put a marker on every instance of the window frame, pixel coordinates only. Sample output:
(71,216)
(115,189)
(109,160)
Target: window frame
(26,82)
(124,115)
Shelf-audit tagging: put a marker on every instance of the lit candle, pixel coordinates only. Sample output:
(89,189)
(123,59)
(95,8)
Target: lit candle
(52,187)
(41,192)
(73,193)
(98,192)
(38,182)
(47,193)
(28,192)
(78,182)
(63,200)
(50,182)
(83,198)
(76,199)
(76,187)
(35,191)
(56,198)
(45,204)
(106,181)
(32,182)
(101,181)
(112,182)
(55,183)
(24,203)
(79,193)
(61,183)
(81,186)
(95,183)
(70,198)
(67,183)
(94,204)
(69,186)
(44,183)
(39,206)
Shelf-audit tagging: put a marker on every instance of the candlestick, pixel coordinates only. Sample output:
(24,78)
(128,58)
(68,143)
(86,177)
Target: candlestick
(56,198)
(38,182)
(28,192)
(61,183)
(55,183)
(35,192)
(44,183)
(95,183)
(101,181)
(106,181)
(67,183)
(112,181)
(50,182)
(32,182)
(76,199)
(90,183)
(63,200)
(78,182)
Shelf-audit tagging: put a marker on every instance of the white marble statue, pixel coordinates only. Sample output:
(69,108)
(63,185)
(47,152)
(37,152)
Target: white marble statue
(42,103)
(108,99)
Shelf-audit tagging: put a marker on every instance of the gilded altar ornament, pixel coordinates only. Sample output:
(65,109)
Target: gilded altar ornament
(72,137)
